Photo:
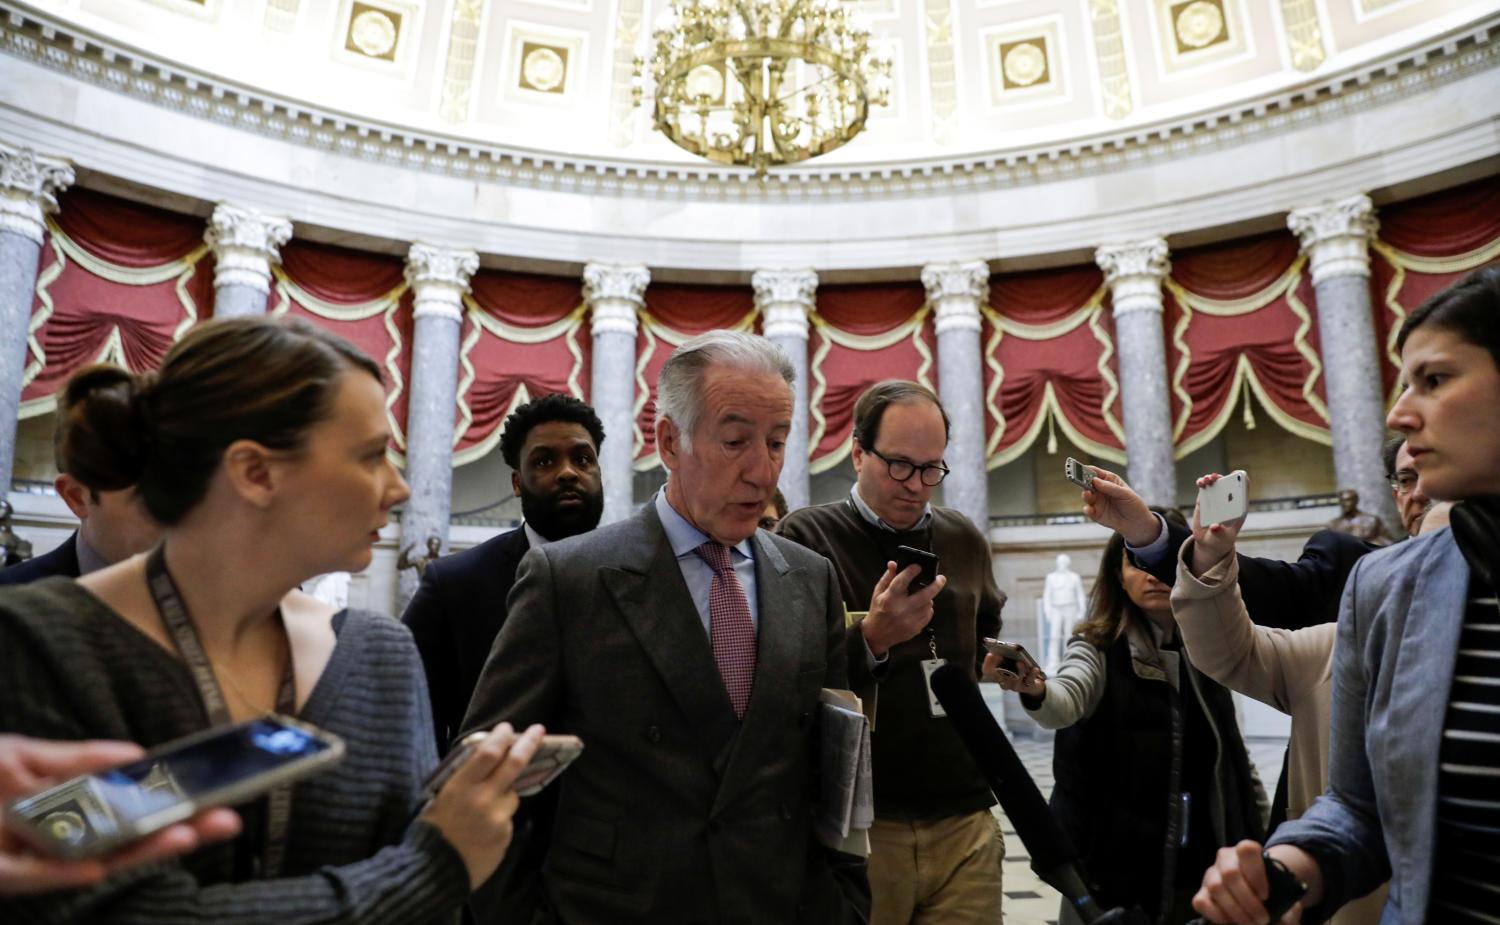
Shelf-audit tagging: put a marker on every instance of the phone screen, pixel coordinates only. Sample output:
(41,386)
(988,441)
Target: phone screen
(101,806)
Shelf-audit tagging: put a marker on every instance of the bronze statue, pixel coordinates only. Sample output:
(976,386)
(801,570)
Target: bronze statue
(1353,521)
(14,548)
(420,563)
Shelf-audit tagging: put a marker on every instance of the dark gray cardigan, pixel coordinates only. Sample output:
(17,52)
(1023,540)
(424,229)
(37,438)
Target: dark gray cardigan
(74,669)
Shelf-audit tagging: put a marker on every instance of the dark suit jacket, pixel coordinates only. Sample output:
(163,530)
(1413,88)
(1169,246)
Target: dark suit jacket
(454,617)
(61,561)
(1284,595)
(676,811)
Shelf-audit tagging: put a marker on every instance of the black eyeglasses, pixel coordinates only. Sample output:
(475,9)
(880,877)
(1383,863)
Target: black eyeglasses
(1404,482)
(901,470)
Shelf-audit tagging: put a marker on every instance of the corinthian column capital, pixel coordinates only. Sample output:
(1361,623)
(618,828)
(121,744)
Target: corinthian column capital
(246,243)
(1134,272)
(784,298)
(956,291)
(439,277)
(1336,235)
(29,184)
(614,293)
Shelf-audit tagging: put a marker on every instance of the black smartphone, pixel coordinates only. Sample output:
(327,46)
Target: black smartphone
(97,813)
(910,555)
(1286,889)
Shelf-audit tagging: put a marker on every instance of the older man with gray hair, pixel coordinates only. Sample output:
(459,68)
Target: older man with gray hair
(687,648)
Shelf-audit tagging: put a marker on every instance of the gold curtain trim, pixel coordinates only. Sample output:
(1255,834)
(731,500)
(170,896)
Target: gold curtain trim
(1078,316)
(1299,340)
(39,362)
(1243,375)
(1050,410)
(996,380)
(461,394)
(1232,307)
(519,335)
(1400,262)
(356,312)
(911,327)
(481,449)
(1106,374)
(129,276)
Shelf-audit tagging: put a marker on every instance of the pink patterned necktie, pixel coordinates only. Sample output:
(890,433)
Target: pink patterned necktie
(730,629)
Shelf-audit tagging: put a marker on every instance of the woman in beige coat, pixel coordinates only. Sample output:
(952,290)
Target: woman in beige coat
(1290,670)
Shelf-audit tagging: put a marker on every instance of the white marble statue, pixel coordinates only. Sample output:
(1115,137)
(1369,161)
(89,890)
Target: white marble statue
(332,588)
(1062,608)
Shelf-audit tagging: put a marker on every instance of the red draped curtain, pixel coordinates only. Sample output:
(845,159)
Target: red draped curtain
(861,335)
(118,282)
(1239,318)
(362,297)
(1049,363)
(523,337)
(673,314)
(1424,246)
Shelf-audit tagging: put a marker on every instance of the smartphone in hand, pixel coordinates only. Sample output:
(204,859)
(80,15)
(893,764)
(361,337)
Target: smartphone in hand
(552,758)
(926,561)
(95,814)
(1225,500)
(1079,474)
(1013,657)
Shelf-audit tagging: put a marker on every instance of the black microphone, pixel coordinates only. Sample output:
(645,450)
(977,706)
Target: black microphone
(1053,857)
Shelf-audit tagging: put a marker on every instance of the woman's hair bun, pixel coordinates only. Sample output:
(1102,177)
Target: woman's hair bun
(103,428)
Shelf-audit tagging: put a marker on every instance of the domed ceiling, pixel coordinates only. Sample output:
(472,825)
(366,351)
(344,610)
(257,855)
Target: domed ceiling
(970,76)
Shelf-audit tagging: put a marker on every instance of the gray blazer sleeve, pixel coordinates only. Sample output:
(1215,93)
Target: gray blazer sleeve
(521,683)
(1342,828)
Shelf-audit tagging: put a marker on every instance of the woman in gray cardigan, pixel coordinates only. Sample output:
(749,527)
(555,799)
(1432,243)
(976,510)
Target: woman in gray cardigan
(1415,744)
(261,448)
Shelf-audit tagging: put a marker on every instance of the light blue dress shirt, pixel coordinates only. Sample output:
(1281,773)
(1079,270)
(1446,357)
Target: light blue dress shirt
(685,539)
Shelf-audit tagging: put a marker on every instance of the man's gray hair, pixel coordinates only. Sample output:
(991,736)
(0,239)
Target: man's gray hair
(679,392)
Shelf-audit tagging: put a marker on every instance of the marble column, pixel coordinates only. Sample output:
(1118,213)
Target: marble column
(1134,273)
(956,291)
(439,277)
(29,184)
(784,298)
(246,243)
(1335,236)
(614,293)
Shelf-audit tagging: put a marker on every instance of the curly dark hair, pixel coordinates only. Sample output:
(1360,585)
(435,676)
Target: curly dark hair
(557,406)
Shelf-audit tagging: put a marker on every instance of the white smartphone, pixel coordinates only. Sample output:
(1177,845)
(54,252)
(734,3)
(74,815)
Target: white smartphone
(551,759)
(1225,500)
(97,813)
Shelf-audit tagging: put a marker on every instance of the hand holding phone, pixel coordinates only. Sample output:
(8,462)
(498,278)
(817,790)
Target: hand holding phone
(1224,499)
(1015,669)
(1079,474)
(95,814)
(552,757)
(924,560)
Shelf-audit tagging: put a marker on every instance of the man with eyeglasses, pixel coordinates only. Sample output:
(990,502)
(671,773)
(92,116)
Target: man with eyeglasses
(1415,508)
(935,847)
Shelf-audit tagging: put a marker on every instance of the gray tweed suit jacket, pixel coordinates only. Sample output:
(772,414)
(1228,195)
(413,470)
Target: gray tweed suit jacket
(676,811)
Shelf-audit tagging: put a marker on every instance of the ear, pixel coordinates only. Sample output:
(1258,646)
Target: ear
(74,494)
(857,454)
(252,473)
(515,483)
(669,443)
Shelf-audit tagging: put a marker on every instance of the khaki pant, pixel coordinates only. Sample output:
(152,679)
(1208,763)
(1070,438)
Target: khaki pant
(936,871)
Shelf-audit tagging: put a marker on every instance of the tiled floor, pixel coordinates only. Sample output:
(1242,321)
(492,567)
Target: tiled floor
(1029,901)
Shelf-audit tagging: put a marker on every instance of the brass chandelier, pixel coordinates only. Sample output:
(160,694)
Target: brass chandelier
(761,82)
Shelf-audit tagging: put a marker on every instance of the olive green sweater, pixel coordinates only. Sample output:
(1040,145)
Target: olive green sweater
(921,769)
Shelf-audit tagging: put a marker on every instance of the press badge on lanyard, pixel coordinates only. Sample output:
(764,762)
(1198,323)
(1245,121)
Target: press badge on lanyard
(929,665)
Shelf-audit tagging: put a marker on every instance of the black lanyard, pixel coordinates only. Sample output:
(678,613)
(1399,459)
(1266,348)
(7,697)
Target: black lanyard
(184,634)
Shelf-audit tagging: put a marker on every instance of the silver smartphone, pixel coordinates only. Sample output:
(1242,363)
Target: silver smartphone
(1079,474)
(1013,657)
(100,812)
(1225,500)
(551,759)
